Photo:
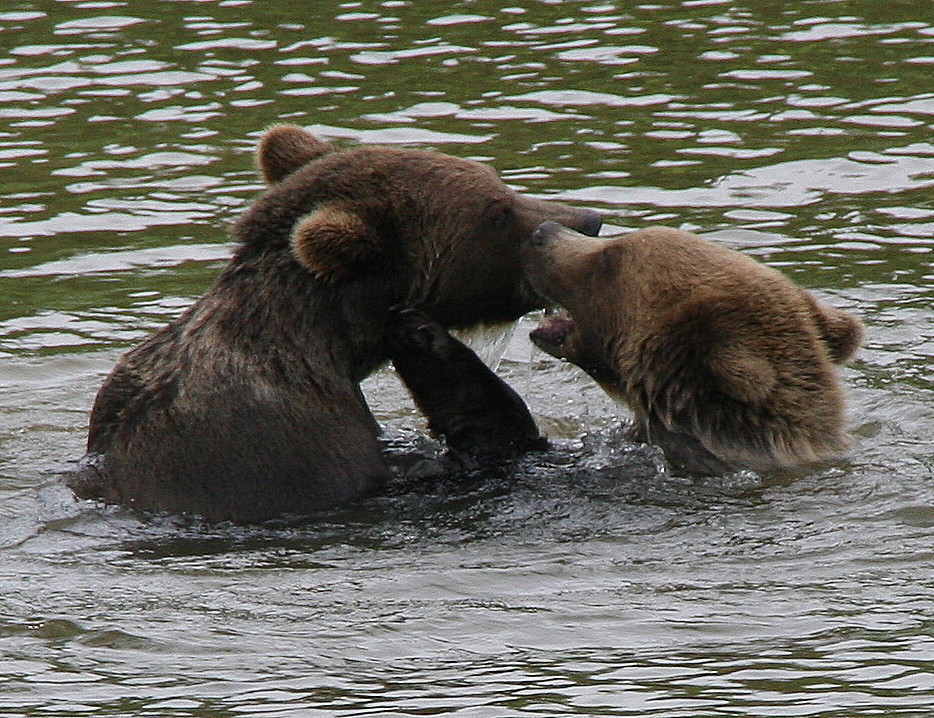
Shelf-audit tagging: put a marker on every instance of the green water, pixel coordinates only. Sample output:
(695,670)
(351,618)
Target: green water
(583,584)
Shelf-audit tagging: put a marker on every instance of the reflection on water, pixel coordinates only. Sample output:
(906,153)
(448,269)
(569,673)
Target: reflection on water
(588,580)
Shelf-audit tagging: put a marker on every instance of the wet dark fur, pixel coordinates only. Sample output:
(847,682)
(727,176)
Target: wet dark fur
(476,412)
(247,407)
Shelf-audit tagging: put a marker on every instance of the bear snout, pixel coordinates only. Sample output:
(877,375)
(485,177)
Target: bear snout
(592,223)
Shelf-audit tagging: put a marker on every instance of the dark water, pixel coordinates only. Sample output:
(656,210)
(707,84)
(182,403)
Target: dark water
(586,582)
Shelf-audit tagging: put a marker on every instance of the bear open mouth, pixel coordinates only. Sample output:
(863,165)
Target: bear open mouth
(553,333)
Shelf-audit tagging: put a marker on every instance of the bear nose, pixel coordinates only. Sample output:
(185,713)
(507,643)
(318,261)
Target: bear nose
(592,223)
(544,232)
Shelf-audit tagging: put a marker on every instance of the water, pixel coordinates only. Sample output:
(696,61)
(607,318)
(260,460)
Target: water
(586,582)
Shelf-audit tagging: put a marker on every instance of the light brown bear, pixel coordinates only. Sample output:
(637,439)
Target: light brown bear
(248,406)
(725,363)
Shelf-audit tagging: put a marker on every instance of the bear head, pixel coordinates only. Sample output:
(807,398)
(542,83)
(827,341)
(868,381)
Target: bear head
(433,231)
(623,290)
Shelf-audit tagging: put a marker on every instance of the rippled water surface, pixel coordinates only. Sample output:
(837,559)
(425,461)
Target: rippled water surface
(589,581)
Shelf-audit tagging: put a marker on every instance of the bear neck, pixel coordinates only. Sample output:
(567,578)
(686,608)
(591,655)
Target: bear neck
(267,305)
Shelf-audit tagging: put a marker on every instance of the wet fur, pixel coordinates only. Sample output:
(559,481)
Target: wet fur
(479,416)
(724,362)
(247,407)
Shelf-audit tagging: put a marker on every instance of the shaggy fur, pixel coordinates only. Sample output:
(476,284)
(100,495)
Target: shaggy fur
(725,362)
(247,407)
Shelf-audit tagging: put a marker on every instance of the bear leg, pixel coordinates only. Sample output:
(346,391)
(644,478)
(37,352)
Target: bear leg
(476,412)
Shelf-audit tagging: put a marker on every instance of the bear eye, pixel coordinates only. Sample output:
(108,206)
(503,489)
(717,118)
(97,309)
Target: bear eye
(502,214)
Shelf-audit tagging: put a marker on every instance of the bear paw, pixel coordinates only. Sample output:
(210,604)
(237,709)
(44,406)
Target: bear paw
(410,329)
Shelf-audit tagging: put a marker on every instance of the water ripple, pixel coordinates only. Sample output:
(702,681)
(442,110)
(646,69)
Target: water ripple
(587,580)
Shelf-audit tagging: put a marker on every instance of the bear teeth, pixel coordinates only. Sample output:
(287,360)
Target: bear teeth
(554,330)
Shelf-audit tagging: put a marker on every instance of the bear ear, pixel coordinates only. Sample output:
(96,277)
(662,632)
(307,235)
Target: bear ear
(710,331)
(742,373)
(286,148)
(332,242)
(842,333)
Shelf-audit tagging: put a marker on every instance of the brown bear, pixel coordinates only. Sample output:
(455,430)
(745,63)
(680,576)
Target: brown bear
(248,406)
(724,362)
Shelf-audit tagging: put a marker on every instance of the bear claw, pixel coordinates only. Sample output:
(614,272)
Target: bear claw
(411,328)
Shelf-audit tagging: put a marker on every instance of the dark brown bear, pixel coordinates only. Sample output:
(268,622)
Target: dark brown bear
(248,407)
(725,363)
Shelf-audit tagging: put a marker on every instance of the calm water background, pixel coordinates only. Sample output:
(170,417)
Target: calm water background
(587,582)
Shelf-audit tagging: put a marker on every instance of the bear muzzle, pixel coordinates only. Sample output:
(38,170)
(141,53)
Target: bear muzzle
(590,222)
(555,257)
